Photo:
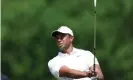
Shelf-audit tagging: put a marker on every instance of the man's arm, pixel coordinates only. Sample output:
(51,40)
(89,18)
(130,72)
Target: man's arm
(98,71)
(71,73)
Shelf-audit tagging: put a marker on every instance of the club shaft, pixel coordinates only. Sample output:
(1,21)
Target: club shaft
(94,49)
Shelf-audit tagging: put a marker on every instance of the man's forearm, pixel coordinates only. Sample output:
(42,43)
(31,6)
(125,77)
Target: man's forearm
(100,76)
(71,73)
(76,74)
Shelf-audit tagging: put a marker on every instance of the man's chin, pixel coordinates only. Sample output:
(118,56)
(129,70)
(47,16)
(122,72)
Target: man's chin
(62,48)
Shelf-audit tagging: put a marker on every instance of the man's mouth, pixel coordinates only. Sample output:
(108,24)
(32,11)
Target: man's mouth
(60,44)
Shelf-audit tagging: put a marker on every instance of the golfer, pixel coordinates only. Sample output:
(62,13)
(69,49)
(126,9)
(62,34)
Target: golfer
(72,63)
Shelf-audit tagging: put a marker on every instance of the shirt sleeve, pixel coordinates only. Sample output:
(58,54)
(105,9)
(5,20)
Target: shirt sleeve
(54,68)
(90,59)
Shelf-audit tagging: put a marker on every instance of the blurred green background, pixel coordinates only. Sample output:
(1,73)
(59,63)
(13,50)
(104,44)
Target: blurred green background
(27,45)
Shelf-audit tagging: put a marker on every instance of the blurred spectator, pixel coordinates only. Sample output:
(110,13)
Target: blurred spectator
(4,77)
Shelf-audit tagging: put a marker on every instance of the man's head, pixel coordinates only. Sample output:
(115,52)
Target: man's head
(64,37)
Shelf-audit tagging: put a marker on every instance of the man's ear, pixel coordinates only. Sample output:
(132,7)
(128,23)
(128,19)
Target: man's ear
(72,38)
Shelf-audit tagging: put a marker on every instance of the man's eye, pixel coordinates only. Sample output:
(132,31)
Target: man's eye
(62,37)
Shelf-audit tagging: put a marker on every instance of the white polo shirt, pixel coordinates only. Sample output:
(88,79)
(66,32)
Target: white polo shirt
(78,59)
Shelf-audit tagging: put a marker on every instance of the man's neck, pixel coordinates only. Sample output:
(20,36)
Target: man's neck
(68,50)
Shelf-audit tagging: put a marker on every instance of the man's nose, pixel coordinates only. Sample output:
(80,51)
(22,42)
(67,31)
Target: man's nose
(59,39)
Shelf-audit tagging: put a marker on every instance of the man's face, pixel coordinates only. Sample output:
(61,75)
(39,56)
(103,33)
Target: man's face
(63,40)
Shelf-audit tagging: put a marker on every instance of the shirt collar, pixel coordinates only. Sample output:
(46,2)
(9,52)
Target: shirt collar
(65,54)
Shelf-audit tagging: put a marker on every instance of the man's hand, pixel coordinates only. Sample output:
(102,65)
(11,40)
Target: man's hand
(91,74)
(98,72)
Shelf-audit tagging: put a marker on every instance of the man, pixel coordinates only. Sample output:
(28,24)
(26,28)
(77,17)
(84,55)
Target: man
(72,63)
